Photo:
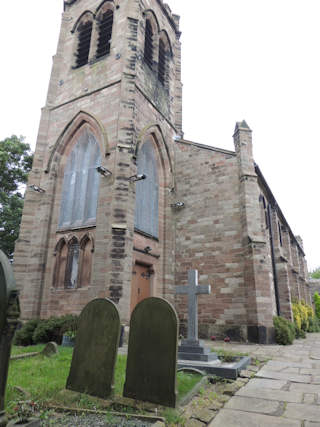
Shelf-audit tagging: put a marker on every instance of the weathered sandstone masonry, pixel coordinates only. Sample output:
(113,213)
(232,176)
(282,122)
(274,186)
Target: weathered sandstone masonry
(114,234)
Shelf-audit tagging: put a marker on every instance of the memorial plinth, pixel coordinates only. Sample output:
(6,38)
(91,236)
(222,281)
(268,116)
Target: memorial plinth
(192,353)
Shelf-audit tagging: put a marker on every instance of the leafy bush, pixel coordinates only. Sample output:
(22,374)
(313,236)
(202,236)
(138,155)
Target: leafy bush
(53,328)
(23,336)
(300,333)
(42,331)
(316,299)
(304,318)
(284,330)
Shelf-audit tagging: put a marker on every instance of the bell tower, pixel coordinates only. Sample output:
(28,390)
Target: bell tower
(115,91)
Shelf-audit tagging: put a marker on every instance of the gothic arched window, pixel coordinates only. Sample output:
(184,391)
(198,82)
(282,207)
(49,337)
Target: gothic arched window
(71,276)
(84,40)
(86,249)
(104,33)
(164,54)
(61,253)
(147,191)
(148,44)
(162,62)
(81,184)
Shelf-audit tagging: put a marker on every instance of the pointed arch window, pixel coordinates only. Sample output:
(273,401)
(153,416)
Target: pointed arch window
(61,253)
(71,276)
(148,44)
(105,33)
(81,184)
(162,62)
(84,40)
(147,191)
(86,249)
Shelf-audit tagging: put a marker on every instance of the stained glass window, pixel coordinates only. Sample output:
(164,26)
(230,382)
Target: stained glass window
(81,184)
(147,191)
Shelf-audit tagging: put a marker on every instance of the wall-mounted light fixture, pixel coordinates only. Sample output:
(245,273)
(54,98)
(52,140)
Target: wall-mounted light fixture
(178,205)
(147,249)
(177,137)
(103,171)
(135,178)
(37,189)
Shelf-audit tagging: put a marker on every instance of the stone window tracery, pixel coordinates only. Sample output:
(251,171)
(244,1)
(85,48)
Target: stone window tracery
(73,262)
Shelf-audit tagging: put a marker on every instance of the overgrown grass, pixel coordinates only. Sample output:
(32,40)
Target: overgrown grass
(44,380)
(227,355)
(31,349)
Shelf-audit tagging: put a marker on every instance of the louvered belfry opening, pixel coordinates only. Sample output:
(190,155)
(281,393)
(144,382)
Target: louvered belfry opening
(84,39)
(148,44)
(162,62)
(105,33)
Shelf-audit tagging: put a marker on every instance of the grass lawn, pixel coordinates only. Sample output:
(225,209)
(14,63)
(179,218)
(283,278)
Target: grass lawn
(45,379)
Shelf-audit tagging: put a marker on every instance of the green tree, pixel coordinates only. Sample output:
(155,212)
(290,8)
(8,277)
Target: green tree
(315,274)
(15,164)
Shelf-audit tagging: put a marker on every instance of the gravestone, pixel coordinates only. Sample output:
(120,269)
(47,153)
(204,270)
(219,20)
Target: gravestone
(95,351)
(9,320)
(152,353)
(192,348)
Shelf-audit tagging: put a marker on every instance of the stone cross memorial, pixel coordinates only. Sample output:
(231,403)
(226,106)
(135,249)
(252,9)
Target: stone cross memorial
(95,351)
(9,320)
(191,348)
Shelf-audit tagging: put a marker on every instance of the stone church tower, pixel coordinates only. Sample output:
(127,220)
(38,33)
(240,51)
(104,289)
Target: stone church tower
(119,205)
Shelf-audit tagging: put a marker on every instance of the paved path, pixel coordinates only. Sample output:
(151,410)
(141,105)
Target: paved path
(285,392)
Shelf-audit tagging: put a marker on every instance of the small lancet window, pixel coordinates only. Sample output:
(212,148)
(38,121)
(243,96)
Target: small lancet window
(84,40)
(148,44)
(105,33)
(72,268)
(147,191)
(162,62)
(61,254)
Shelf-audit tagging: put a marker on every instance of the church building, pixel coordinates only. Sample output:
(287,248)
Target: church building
(120,205)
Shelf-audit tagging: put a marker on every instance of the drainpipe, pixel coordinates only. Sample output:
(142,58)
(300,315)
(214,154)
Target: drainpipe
(275,278)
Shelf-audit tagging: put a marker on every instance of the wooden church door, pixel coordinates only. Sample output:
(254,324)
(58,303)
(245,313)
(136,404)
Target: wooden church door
(140,288)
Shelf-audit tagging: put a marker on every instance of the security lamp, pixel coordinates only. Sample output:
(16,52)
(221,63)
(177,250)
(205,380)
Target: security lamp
(135,178)
(177,138)
(37,189)
(103,171)
(147,249)
(178,205)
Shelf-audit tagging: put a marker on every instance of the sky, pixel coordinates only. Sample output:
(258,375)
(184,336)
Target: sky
(256,60)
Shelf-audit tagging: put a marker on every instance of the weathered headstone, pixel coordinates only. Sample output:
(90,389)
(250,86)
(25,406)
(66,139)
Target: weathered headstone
(192,348)
(9,319)
(95,351)
(152,353)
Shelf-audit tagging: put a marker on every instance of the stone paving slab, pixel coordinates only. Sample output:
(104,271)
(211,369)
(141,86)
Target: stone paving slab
(279,365)
(305,388)
(306,371)
(266,373)
(232,418)
(252,404)
(301,411)
(285,392)
(266,383)
(265,393)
